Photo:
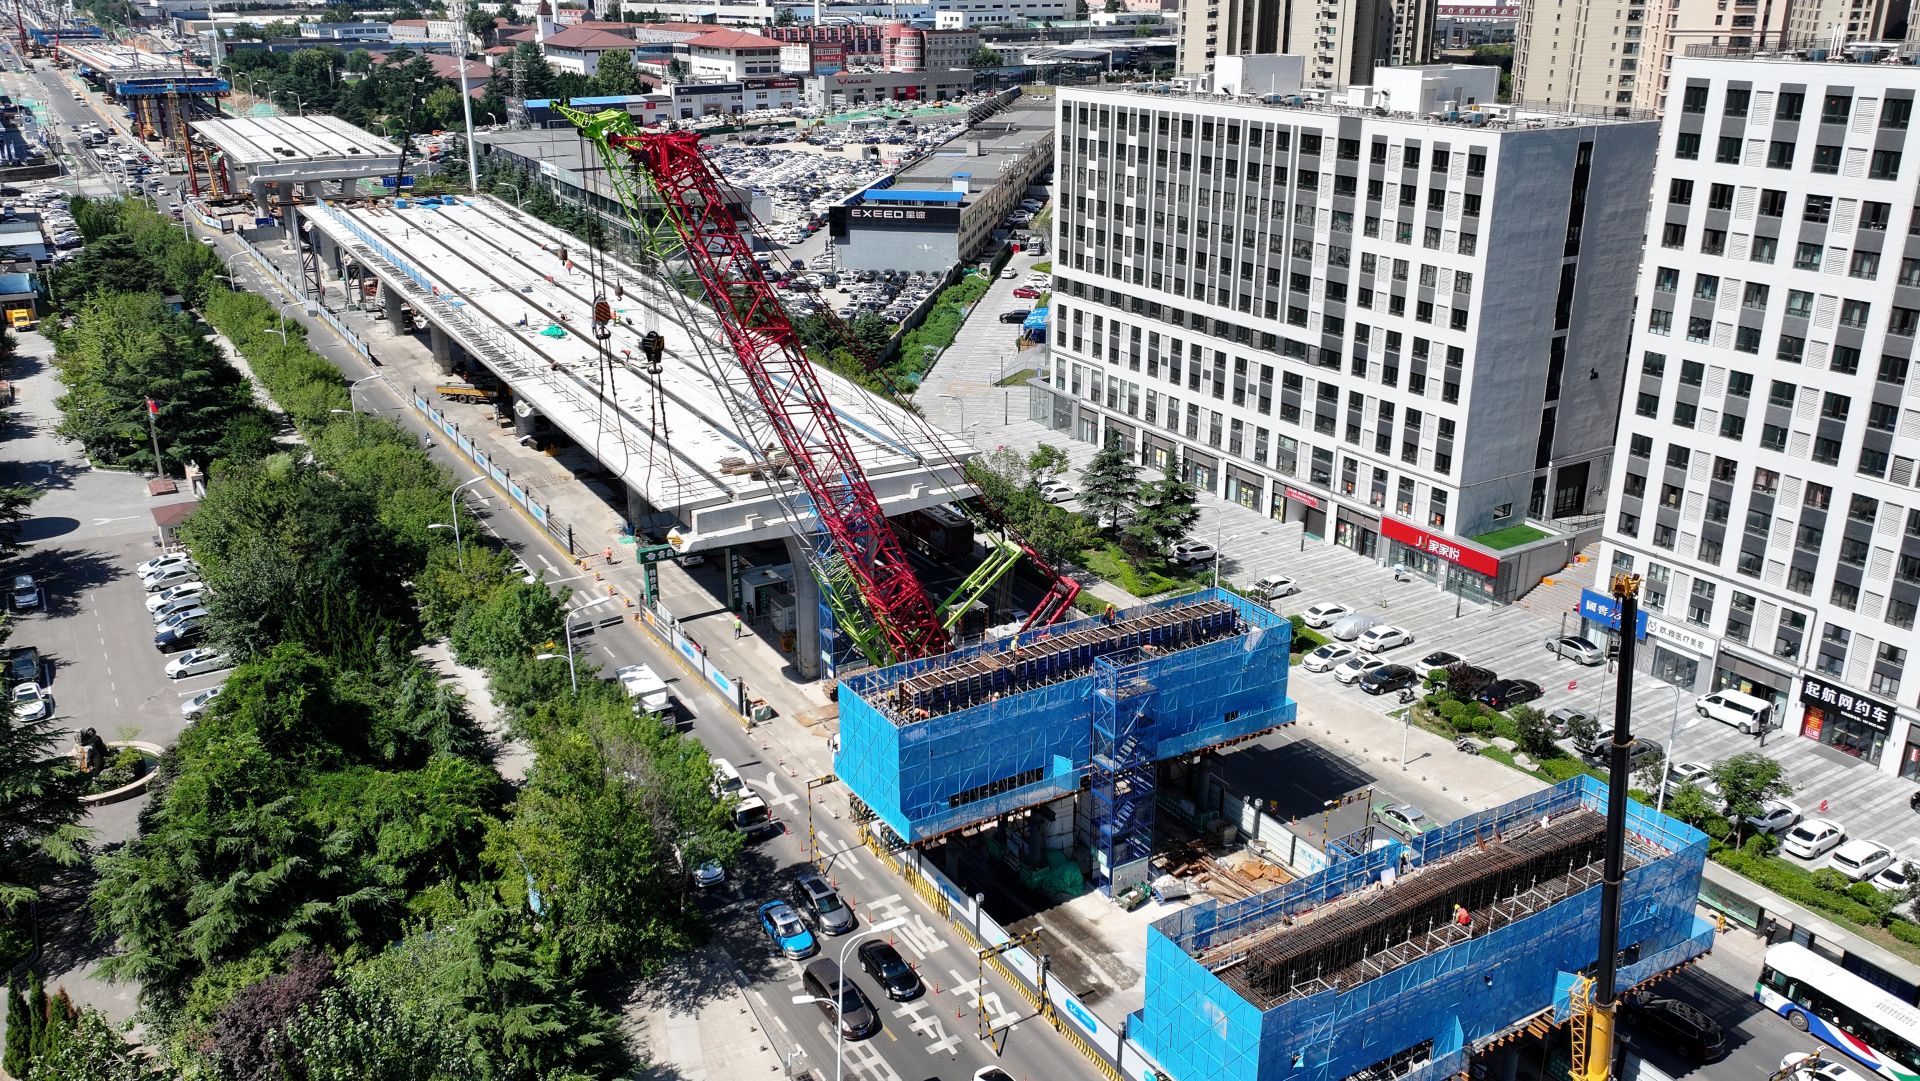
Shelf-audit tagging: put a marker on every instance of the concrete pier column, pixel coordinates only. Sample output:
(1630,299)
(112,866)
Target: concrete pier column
(442,349)
(806,612)
(640,517)
(396,320)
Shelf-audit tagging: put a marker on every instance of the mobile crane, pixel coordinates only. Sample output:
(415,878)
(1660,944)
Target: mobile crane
(859,564)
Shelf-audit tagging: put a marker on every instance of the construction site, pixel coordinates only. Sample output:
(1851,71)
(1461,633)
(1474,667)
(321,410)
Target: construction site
(164,94)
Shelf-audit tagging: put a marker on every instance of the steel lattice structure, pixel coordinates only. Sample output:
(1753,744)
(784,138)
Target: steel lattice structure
(760,334)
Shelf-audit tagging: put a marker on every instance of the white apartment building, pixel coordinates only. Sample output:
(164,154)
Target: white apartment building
(1371,312)
(1764,483)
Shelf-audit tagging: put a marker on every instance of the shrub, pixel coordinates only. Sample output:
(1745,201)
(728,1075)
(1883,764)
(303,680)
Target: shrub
(1827,878)
(1562,768)
(1905,932)
(1797,885)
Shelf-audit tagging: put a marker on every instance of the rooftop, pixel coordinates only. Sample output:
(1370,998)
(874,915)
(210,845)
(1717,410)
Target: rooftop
(300,147)
(1003,138)
(734,39)
(1816,50)
(1506,116)
(580,37)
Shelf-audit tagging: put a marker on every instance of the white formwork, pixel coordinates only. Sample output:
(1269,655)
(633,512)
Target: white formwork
(493,278)
(299,148)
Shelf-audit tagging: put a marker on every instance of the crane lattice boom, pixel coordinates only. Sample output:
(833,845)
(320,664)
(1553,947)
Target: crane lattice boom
(783,381)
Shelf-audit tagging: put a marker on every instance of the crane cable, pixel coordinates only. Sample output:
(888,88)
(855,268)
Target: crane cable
(602,330)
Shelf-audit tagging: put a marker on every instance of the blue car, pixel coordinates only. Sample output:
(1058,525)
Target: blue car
(783,925)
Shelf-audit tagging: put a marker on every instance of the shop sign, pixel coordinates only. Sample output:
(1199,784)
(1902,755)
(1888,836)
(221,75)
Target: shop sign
(1301,497)
(1675,635)
(1441,546)
(1596,607)
(1815,691)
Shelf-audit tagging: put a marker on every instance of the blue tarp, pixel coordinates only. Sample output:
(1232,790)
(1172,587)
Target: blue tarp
(1036,320)
(12,284)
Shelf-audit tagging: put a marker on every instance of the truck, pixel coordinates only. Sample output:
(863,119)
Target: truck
(645,689)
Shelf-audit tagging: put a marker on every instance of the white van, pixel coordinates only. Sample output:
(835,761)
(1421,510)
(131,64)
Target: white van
(1743,711)
(726,780)
(646,690)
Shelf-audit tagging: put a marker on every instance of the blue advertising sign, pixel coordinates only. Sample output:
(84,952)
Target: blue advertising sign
(1604,610)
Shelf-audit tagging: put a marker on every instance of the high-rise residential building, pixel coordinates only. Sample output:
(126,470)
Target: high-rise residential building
(1341,40)
(1764,483)
(1379,313)
(1616,54)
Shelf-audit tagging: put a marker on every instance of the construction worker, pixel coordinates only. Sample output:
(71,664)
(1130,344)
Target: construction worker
(736,626)
(1461,917)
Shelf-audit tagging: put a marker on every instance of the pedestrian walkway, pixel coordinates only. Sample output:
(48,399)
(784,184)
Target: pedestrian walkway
(696,1023)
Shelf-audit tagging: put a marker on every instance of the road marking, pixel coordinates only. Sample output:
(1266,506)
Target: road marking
(775,796)
(997,1015)
(919,937)
(545,562)
(923,1022)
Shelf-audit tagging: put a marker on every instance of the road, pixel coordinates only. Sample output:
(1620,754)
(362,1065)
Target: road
(931,1037)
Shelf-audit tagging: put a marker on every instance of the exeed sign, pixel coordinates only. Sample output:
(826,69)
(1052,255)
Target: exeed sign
(946,218)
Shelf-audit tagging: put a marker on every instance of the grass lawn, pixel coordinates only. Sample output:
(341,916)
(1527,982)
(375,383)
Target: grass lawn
(1018,379)
(1511,537)
(1108,561)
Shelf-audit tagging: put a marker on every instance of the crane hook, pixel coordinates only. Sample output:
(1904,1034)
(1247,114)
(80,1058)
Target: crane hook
(602,316)
(653,346)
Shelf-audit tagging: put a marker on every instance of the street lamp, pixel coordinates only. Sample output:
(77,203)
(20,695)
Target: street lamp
(453,500)
(573,676)
(839,1032)
(963,410)
(518,196)
(297,100)
(354,387)
(1673,737)
(1217,543)
(282,327)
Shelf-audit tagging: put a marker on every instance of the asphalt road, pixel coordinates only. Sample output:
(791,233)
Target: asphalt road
(932,1037)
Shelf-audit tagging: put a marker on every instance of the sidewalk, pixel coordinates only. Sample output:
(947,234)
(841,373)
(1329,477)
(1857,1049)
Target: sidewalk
(695,1023)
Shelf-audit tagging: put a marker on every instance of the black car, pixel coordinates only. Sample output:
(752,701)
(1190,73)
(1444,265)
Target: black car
(1018,315)
(1507,693)
(1440,659)
(1388,677)
(1467,673)
(178,638)
(1680,1026)
(890,971)
(23,665)
(1639,753)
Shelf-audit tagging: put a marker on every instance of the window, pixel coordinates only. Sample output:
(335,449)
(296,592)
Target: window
(1791,349)
(1736,101)
(1677,457)
(1846,596)
(1700,602)
(1893,370)
(1659,322)
(1732,426)
(1773,437)
(1853,552)
(1884,165)
(1883,416)
(1699,329)
(1819,208)
(1817,496)
(1666,279)
(1739,384)
(1728,150)
(1791,103)
(1873,216)
(1653,364)
(1764,249)
(1826,158)
(1799,303)
(1720,197)
(1835,406)
(1865,264)
(1640,446)
(1863,508)
(1806,257)
(1684,413)
(1747,340)
(1902,321)
(1694,100)
(1647,405)
(1846,360)
(1706,286)
(1835,109)
(1713,241)
(1781,394)
(1755,296)
(1779,155)
(1800,580)
(1895,113)
(1826,451)
(1853,313)
(1687,146)
(1773,204)
(1692,372)
(1673,235)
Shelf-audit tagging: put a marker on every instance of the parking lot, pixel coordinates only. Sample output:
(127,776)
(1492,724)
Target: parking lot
(92,629)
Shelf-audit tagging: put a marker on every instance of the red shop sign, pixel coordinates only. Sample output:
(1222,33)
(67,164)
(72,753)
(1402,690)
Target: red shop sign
(1438,545)
(1299,496)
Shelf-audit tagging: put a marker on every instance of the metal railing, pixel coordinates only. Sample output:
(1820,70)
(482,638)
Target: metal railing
(1814,48)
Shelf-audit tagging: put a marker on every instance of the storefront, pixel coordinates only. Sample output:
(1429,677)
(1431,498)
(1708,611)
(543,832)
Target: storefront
(1678,655)
(1730,670)
(1843,720)
(1290,504)
(1200,469)
(1356,530)
(1600,619)
(1446,562)
(1910,752)
(1244,487)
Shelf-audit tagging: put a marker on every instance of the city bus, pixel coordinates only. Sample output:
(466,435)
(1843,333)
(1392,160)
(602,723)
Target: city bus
(1819,997)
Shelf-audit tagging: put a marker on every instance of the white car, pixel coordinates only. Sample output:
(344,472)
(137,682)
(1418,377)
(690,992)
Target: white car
(1697,774)
(1057,491)
(174,593)
(30,702)
(1811,839)
(1796,1067)
(1323,615)
(176,606)
(1192,552)
(195,706)
(1351,669)
(168,576)
(1895,878)
(1381,639)
(1327,656)
(168,560)
(1861,860)
(1275,586)
(196,662)
(1775,815)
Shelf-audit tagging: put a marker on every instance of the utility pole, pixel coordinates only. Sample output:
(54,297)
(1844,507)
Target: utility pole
(1626,594)
(153,430)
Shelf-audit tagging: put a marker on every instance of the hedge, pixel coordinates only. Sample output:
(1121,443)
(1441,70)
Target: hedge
(1796,885)
(304,383)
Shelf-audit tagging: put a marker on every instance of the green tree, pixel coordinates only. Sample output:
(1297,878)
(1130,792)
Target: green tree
(18,1055)
(480,26)
(1747,781)
(1165,513)
(95,1051)
(1690,804)
(15,502)
(1058,536)
(615,74)
(1583,729)
(40,806)
(784,17)
(515,622)
(1110,484)
(1535,732)
(1047,462)
(356,1033)
(984,57)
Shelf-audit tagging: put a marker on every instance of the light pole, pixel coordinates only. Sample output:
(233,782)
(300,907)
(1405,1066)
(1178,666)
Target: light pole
(839,1032)
(466,95)
(282,327)
(298,101)
(354,388)
(1217,542)
(963,410)
(1673,737)
(518,196)
(573,676)
(453,500)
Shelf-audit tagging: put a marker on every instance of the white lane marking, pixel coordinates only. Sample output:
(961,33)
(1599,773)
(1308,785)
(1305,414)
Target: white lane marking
(775,796)
(915,934)
(927,1023)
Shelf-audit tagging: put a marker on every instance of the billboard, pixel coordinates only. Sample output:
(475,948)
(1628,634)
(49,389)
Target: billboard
(894,217)
(829,59)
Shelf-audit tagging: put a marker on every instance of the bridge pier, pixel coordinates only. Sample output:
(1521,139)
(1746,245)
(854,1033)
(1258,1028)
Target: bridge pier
(396,319)
(806,611)
(443,349)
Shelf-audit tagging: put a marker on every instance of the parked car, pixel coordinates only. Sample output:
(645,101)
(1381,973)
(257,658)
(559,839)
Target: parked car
(1026,292)
(175,639)
(31,702)
(1577,649)
(1381,639)
(1640,752)
(1439,658)
(814,896)
(1562,720)
(174,593)
(1698,774)
(193,613)
(1812,838)
(1057,491)
(646,690)
(891,971)
(840,999)
(26,593)
(1017,315)
(23,665)
(1324,658)
(170,559)
(786,931)
(1387,678)
(1861,860)
(1679,1026)
(168,576)
(1323,614)
(1895,878)
(176,606)
(1351,669)
(1275,586)
(1403,818)
(1775,815)
(1749,714)
(197,662)
(1192,551)
(1352,626)
(1507,693)
(1009,274)
(195,707)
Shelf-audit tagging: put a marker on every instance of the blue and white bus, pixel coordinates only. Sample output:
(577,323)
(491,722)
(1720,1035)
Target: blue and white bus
(1817,996)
